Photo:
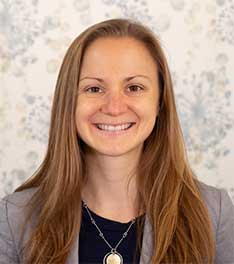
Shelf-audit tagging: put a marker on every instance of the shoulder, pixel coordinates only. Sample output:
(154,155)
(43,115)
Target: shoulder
(12,215)
(217,200)
(221,210)
(19,198)
(13,205)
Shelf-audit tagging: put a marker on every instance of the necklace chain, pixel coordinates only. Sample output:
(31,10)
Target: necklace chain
(113,250)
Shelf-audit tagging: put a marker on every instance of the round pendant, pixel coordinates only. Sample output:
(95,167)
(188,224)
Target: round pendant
(113,258)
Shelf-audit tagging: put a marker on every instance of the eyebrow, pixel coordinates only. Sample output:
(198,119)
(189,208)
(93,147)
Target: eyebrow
(125,79)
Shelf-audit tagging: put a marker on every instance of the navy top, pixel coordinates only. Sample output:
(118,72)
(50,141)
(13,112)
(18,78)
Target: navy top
(92,248)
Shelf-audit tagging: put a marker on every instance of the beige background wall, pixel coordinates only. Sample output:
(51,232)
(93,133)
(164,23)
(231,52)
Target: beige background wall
(197,36)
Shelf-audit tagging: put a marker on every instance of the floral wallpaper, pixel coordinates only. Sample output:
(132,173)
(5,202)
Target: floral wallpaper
(197,37)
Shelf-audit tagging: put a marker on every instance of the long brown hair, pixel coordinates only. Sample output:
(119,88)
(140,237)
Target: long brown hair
(168,189)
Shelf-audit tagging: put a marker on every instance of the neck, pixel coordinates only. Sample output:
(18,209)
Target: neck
(107,191)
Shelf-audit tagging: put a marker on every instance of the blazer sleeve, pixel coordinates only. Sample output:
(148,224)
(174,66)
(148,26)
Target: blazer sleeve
(225,230)
(8,252)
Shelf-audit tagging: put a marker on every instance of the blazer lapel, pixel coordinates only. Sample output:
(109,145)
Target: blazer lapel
(147,242)
(146,251)
(74,256)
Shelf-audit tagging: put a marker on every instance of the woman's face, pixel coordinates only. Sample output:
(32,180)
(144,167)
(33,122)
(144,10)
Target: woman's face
(118,86)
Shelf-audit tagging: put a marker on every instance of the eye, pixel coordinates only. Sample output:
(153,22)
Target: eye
(136,87)
(96,89)
(93,89)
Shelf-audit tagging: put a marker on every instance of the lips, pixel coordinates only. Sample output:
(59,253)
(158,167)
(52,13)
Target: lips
(114,128)
(117,124)
(110,132)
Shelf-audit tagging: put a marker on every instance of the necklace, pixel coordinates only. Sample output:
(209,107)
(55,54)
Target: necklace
(112,257)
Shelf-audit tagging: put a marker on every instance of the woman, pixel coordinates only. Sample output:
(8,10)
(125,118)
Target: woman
(115,185)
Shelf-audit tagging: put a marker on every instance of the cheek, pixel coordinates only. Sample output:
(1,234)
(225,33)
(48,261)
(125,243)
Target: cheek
(148,125)
(84,112)
(148,114)
(80,115)
(82,109)
(148,108)
(78,120)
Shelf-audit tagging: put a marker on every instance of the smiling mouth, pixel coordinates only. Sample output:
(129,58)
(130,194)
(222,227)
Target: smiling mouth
(115,128)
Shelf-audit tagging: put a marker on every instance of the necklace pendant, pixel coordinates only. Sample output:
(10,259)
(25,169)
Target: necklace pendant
(113,258)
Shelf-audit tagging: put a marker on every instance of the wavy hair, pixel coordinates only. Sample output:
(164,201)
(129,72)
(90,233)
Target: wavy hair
(168,189)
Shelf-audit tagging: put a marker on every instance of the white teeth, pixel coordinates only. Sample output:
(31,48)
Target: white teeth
(114,128)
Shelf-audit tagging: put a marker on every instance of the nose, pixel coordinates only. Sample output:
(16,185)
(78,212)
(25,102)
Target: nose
(115,103)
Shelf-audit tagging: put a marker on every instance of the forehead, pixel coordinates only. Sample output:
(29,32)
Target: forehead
(118,54)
